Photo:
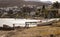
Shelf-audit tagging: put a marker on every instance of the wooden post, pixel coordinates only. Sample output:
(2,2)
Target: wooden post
(14,26)
(51,35)
(26,25)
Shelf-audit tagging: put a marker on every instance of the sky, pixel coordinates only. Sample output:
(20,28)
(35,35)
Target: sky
(44,0)
(51,0)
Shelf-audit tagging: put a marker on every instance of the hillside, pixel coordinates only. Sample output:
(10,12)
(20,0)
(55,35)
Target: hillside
(5,3)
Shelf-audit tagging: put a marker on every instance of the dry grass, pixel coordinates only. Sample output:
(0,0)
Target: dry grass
(32,32)
(38,31)
(56,24)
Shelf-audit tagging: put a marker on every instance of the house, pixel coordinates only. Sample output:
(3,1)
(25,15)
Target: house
(30,24)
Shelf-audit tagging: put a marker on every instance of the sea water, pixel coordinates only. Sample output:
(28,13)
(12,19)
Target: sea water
(17,22)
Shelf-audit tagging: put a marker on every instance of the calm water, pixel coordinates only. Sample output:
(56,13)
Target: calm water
(21,22)
(17,22)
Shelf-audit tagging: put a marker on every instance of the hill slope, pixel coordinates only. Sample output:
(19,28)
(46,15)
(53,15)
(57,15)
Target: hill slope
(5,3)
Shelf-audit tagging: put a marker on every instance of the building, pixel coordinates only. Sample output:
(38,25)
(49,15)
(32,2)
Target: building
(30,24)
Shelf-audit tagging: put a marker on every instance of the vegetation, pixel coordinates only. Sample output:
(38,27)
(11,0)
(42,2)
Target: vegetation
(57,24)
(56,5)
(25,12)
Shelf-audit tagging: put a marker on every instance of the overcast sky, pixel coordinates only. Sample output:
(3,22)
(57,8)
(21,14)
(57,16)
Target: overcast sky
(45,0)
(51,0)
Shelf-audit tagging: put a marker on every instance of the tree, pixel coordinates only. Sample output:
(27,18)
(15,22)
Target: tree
(27,10)
(43,11)
(56,5)
(52,14)
(10,13)
(43,7)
